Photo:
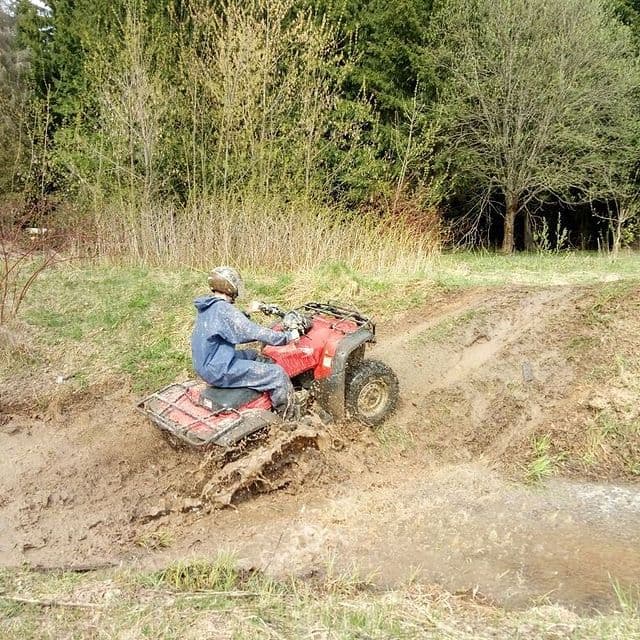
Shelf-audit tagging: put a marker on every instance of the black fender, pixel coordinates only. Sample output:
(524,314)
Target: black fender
(330,391)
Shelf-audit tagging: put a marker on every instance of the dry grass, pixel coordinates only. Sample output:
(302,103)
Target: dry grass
(280,237)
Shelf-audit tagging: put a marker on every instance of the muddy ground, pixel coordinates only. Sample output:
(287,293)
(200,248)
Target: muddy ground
(445,492)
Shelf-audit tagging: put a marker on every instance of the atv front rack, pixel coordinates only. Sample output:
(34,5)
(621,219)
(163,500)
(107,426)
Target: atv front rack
(340,313)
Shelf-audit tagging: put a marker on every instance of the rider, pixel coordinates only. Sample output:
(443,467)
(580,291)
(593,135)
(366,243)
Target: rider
(220,326)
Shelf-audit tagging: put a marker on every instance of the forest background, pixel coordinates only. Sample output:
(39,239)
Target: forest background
(265,132)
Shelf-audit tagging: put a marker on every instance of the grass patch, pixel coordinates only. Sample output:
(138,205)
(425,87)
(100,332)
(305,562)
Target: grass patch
(16,352)
(138,606)
(378,294)
(344,581)
(114,321)
(628,597)
(484,268)
(160,539)
(394,438)
(543,464)
(580,344)
(220,574)
(611,433)
(608,301)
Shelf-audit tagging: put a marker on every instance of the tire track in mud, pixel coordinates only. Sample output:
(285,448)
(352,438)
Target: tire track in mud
(473,359)
(537,308)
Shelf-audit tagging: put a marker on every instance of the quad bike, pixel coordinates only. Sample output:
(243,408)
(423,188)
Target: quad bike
(325,364)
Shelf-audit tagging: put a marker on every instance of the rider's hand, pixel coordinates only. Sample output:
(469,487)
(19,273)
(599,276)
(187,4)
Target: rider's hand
(254,306)
(292,335)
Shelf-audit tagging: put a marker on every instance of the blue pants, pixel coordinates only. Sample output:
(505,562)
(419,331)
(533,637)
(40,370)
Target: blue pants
(245,371)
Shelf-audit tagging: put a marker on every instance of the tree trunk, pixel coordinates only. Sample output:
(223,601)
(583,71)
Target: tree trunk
(509,222)
(529,244)
(617,233)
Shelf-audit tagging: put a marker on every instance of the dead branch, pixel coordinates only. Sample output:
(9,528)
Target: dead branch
(51,603)
(205,594)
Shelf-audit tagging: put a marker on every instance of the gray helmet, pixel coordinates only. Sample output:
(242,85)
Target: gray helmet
(226,280)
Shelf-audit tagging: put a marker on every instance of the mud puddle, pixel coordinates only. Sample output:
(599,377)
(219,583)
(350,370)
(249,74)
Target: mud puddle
(470,531)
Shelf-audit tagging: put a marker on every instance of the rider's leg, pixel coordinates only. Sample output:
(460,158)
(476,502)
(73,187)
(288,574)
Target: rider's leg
(261,377)
(246,354)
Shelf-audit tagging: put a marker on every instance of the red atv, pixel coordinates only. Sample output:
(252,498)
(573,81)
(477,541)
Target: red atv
(326,365)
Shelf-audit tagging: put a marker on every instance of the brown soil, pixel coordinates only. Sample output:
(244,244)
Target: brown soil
(435,495)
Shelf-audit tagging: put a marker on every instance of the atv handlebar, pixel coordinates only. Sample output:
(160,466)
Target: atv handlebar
(291,320)
(272,310)
(296,321)
(301,319)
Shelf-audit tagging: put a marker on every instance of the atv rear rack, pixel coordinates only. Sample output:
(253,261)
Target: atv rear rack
(172,409)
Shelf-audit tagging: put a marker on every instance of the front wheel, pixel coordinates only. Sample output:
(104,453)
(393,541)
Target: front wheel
(371,392)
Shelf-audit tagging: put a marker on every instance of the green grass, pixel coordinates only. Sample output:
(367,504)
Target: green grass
(162,606)
(219,574)
(611,430)
(94,322)
(160,539)
(543,464)
(470,269)
(628,597)
(115,321)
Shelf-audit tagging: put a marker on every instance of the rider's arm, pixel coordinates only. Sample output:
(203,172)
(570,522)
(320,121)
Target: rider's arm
(236,328)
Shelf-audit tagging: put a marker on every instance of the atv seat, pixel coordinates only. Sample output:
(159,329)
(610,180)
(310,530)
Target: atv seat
(218,399)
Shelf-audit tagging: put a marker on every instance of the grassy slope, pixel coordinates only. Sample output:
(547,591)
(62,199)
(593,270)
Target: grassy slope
(95,322)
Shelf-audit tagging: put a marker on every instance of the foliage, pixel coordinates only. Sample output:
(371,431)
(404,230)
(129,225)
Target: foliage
(262,97)
(383,42)
(536,99)
(129,109)
(13,95)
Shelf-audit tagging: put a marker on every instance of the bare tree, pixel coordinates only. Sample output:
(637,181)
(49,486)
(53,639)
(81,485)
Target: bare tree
(621,211)
(535,99)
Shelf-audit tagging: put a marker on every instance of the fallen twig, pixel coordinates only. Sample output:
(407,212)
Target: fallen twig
(51,603)
(204,594)
(66,568)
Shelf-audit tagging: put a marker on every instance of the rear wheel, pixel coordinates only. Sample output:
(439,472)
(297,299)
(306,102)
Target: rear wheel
(371,392)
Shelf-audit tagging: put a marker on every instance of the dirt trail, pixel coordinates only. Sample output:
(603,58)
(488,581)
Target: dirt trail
(429,497)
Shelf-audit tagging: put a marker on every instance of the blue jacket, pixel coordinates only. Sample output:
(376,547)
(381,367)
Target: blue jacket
(219,327)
